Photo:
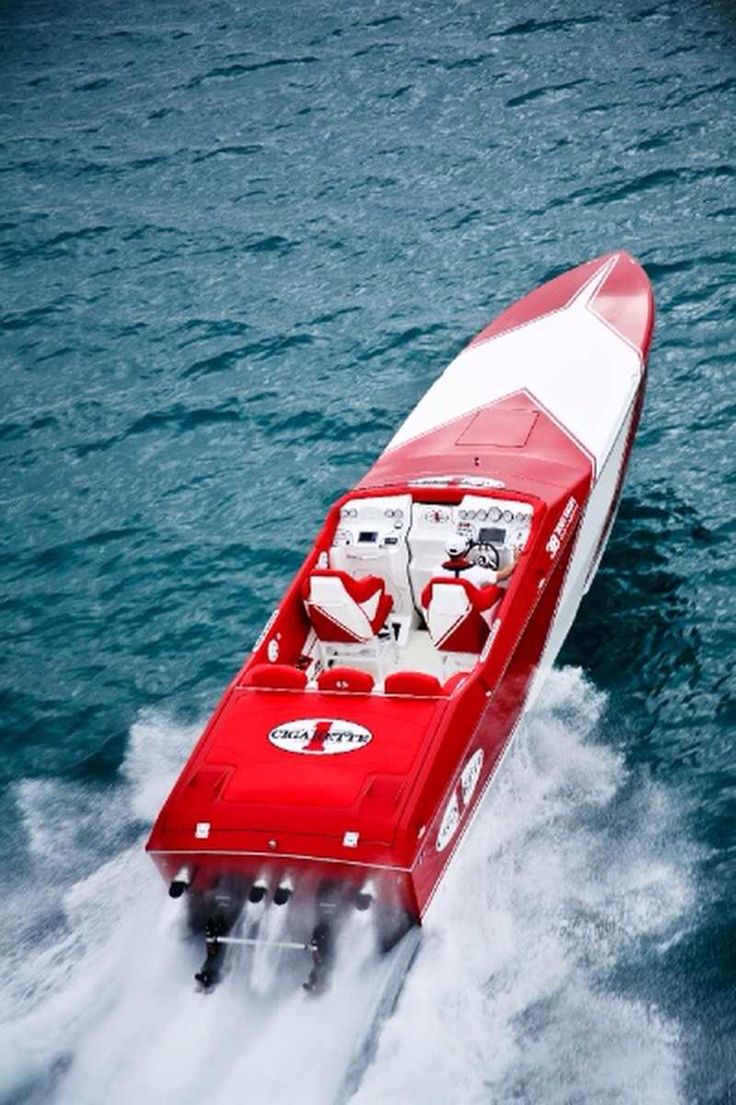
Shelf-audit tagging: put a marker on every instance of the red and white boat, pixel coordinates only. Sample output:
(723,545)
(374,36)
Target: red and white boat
(346,759)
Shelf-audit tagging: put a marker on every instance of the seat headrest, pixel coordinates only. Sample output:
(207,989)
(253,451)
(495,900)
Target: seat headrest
(275,677)
(449,582)
(412,683)
(328,582)
(345,679)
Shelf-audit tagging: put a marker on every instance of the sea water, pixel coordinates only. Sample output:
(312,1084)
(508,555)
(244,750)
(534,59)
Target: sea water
(238,243)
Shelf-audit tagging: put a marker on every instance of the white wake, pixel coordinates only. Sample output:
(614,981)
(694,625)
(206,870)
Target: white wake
(571,871)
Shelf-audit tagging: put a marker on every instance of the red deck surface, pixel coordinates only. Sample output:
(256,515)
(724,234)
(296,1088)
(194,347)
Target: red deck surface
(241,781)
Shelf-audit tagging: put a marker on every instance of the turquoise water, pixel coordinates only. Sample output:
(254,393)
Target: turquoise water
(238,242)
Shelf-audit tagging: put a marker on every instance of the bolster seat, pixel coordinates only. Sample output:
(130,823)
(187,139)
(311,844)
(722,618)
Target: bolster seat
(345,610)
(275,677)
(457,613)
(415,683)
(345,679)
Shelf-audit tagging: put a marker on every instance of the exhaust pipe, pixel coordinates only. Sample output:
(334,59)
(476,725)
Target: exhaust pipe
(365,895)
(180,882)
(258,890)
(283,891)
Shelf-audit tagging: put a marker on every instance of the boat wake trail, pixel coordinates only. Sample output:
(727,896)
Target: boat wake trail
(520,988)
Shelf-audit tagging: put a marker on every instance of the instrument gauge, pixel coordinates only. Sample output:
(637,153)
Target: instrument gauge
(481,515)
(521,517)
(494,514)
(508,516)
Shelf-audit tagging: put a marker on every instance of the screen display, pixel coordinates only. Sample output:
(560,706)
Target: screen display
(491,536)
(368,536)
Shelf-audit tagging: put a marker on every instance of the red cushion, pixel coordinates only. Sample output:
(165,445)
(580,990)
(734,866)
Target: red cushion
(275,677)
(469,635)
(345,679)
(385,605)
(364,588)
(487,596)
(329,630)
(454,681)
(412,682)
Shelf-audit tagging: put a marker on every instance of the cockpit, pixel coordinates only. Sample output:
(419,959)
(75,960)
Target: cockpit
(386,611)
(403,541)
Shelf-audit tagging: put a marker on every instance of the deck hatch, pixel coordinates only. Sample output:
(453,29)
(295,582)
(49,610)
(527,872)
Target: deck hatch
(505,428)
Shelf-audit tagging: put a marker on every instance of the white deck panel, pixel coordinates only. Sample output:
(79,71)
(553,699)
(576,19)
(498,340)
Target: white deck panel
(572,362)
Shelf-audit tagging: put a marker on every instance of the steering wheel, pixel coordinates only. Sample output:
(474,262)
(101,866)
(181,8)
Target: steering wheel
(490,558)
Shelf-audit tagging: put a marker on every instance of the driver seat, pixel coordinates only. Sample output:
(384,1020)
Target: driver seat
(458,614)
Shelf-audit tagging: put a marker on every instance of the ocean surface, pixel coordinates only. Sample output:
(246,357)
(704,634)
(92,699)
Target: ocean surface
(237,243)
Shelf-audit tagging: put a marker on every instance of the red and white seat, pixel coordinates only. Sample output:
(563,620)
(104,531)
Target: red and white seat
(346,613)
(458,614)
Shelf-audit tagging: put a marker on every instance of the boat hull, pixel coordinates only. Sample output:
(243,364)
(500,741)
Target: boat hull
(542,408)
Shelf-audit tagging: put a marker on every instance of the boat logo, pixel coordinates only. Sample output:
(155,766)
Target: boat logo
(558,534)
(317,736)
(459,800)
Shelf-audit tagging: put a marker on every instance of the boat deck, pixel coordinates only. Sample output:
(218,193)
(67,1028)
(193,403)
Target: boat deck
(413,651)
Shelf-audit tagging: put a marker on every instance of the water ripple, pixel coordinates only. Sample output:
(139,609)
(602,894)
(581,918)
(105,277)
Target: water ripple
(236,249)
(239,69)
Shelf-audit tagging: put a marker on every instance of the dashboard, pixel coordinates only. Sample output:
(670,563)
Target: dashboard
(495,530)
(494,527)
(404,541)
(500,526)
